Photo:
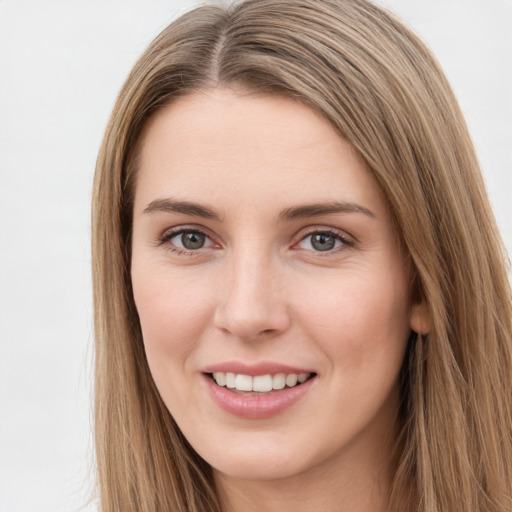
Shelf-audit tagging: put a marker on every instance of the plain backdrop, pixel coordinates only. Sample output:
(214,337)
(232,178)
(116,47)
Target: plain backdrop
(61,66)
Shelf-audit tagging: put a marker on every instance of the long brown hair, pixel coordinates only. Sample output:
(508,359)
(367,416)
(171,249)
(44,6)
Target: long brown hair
(383,91)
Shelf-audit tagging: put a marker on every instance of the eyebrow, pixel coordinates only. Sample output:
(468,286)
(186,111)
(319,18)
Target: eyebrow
(294,212)
(184,207)
(317,210)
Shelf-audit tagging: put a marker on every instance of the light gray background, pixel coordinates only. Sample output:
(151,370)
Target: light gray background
(61,66)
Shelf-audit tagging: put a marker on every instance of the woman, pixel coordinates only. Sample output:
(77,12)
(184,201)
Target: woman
(301,295)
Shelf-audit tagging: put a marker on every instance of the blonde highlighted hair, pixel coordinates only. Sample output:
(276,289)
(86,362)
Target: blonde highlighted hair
(383,91)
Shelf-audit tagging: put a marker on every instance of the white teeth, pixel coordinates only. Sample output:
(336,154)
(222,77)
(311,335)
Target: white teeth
(259,383)
(291,380)
(262,383)
(230,380)
(220,378)
(279,381)
(243,382)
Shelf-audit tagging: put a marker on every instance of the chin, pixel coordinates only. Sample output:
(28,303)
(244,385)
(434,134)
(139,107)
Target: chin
(259,468)
(260,459)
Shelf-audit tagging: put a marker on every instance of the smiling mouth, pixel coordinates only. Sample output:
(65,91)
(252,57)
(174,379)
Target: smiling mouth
(259,384)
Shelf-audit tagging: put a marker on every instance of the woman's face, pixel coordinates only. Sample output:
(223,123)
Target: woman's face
(264,254)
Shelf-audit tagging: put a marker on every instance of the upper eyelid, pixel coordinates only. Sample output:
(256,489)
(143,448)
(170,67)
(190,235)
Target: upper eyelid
(176,230)
(164,240)
(311,230)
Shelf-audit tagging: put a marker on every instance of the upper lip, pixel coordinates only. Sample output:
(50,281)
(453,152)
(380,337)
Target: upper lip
(253,369)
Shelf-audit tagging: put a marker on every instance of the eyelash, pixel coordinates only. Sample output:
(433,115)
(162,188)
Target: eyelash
(166,238)
(344,239)
(169,235)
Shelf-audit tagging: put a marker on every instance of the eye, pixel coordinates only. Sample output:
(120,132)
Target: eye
(189,240)
(186,240)
(323,241)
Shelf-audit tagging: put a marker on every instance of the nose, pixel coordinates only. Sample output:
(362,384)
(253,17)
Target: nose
(252,301)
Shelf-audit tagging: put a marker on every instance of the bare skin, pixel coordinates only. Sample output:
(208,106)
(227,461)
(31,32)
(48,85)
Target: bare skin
(260,237)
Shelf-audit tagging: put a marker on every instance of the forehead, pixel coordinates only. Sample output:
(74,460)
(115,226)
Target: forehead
(226,120)
(222,143)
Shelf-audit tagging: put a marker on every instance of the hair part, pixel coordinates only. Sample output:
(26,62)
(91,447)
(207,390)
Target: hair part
(382,90)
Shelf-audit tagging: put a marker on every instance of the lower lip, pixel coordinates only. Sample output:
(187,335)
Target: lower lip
(257,406)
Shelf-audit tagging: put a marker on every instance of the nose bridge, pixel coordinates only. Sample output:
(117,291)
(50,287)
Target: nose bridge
(251,301)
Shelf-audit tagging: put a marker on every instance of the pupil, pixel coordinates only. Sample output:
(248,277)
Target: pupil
(192,240)
(322,242)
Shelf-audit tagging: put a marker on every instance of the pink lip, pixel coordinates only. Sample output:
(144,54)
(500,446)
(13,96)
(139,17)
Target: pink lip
(262,368)
(256,406)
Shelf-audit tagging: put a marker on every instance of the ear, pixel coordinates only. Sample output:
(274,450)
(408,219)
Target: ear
(421,318)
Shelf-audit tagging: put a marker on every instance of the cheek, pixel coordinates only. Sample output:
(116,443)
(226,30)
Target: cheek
(173,312)
(361,321)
